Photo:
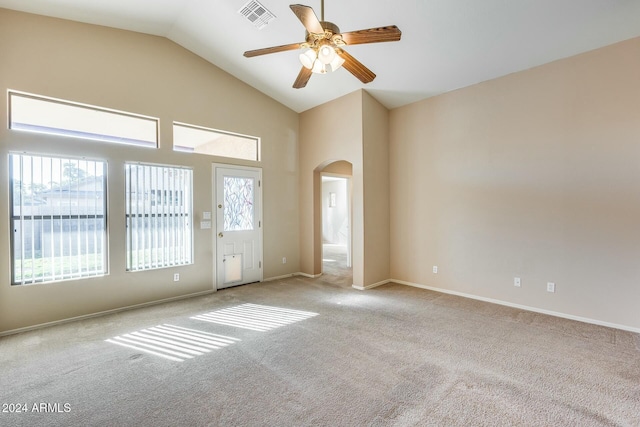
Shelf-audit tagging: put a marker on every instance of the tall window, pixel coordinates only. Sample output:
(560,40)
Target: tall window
(58,218)
(158,215)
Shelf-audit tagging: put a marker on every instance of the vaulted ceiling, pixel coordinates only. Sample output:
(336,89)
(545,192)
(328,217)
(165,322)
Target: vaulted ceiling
(445,45)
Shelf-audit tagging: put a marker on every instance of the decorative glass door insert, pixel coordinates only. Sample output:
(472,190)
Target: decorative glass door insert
(238,203)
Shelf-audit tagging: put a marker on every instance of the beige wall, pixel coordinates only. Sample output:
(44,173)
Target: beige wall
(376,191)
(340,168)
(354,128)
(151,76)
(329,133)
(535,175)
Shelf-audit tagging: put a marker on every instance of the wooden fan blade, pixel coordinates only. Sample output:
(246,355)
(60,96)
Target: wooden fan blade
(355,67)
(274,49)
(303,78)
(373,35)
(308,17)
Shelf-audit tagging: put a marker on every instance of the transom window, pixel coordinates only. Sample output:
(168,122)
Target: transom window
(45,115)
(58,218)
(197,139)
(158,216)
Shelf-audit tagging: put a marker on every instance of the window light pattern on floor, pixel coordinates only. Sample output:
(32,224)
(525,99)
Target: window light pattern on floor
(255,317)
(173,342)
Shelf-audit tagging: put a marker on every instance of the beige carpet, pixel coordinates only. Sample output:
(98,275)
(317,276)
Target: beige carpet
(301,352)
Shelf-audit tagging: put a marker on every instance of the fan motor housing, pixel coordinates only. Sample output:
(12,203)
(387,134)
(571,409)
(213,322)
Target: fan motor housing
(329,27)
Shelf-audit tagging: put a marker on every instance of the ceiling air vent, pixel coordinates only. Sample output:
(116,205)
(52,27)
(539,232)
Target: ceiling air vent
(256,13)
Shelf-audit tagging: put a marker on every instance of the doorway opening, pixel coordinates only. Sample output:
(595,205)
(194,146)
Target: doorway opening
(336,225)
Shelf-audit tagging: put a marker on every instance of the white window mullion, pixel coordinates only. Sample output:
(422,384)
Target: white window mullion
(183,216)
(22,226)
(39,211)
(78,223)
(52,221)
(154,212)
(172,216)
(53,212)
(129,225)
(136,215)
(93,239)
(165,222)
(143,204)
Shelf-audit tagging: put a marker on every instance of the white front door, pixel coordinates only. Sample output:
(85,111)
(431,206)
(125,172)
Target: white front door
(238,198)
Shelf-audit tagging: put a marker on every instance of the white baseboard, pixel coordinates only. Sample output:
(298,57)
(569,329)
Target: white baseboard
(310,276)
(521,307)
(374,285)
(284,276)
(103,313)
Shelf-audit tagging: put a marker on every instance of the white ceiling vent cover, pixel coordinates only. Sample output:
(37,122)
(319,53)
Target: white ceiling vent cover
(256,13)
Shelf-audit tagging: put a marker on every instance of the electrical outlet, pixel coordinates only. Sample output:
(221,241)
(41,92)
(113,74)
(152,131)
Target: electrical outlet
(176,277)
(435,269)
(516,282)
(551,287)
(284,259)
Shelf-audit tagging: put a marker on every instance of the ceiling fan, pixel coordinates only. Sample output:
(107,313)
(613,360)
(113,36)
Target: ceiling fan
(323,49)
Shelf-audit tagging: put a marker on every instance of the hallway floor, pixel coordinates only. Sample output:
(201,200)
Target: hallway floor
(334,265)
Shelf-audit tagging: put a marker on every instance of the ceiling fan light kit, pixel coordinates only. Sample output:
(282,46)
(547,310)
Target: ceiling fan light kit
(323,46)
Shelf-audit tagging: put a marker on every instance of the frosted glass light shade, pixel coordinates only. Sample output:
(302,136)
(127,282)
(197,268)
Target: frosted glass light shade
(336,63)
(318,67)
(326,54)
(307,58)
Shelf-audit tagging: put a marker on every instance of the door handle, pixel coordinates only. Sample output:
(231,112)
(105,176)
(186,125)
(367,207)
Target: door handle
(220,234)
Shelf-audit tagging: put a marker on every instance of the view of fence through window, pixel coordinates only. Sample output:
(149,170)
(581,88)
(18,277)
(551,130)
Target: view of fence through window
(158,213)
(58,218)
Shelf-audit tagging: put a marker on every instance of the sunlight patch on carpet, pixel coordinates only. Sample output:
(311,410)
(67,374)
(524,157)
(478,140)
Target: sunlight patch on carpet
(255,317)
(173,342)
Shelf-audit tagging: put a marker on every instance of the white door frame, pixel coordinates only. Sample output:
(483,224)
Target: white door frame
(217,211)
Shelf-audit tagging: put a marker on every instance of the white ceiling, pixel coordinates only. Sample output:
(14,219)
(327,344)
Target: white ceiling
(446,44)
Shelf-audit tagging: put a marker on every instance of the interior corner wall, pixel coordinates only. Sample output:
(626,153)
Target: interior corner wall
(533,175)
(328,133)
(376,191)
(152,76)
